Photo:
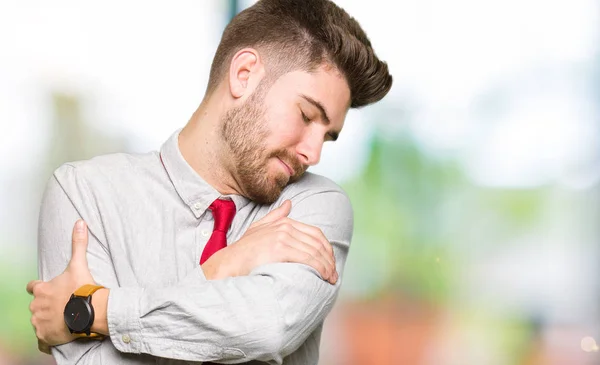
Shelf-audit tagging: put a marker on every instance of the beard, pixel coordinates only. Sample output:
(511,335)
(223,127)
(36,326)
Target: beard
(245,131)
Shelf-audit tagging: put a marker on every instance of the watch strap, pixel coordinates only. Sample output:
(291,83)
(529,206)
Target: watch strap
(92,336)
(87,290)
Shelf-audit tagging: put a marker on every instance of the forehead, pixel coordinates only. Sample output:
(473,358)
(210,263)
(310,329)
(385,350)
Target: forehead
(325,85)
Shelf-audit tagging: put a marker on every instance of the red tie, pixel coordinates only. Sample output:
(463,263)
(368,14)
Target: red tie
(223,212)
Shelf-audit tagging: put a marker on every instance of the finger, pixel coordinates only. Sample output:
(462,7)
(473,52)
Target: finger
(293,254)
(317,239)
(313,232)
(282,211)
(31,285)
(80,241)
(312,256)
(313,246)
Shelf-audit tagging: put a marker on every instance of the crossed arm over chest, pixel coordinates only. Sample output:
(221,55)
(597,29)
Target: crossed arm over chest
(267,314)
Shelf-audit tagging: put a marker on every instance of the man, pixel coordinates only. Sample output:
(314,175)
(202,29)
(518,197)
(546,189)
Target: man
(155,276)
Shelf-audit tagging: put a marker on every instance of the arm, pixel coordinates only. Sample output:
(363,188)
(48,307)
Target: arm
(57,216)
(264,316)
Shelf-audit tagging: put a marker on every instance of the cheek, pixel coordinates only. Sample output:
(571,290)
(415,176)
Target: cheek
(283,131)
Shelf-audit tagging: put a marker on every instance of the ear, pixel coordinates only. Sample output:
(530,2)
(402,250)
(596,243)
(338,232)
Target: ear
(245,72)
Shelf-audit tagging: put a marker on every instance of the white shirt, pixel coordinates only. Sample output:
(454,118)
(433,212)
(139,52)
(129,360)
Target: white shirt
(148,225)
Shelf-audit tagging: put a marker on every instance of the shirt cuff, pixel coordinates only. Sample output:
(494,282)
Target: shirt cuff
(123,316)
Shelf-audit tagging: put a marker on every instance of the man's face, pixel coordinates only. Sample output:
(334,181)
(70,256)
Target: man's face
(278,132)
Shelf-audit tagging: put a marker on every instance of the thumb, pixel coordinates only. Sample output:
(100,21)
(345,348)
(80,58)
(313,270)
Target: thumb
(80,241)
(282,211)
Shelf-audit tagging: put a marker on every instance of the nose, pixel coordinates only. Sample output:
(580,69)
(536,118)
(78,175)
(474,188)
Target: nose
(309,149)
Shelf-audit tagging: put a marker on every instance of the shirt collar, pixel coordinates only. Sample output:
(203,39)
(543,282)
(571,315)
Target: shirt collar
(196,193)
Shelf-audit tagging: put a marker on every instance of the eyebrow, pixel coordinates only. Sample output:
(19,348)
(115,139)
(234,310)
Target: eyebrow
(333,134)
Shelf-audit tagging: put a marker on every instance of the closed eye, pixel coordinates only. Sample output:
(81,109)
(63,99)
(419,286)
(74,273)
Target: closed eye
(329,137)
(305,118)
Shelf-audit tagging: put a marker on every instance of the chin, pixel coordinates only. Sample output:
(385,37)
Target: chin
(261,193)
(264,185)
(269,192)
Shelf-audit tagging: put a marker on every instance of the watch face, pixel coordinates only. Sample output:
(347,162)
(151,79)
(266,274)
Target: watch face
(77,314)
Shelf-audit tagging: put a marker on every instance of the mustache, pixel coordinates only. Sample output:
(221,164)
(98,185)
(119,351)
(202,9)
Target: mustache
(292,161)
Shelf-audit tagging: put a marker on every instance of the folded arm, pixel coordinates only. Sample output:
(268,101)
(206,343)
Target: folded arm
(265,315)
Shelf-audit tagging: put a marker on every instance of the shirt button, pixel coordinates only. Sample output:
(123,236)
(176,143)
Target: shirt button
(205,233)
(197,206)
(126,339)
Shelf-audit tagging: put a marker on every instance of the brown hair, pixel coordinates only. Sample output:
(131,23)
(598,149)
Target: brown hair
(304,34)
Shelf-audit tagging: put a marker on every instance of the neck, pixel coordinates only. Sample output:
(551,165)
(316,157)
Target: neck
(203,148)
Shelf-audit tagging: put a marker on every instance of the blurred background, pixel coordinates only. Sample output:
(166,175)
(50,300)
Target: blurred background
(475,182)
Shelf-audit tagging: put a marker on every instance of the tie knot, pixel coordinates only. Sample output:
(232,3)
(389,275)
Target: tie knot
(223,211)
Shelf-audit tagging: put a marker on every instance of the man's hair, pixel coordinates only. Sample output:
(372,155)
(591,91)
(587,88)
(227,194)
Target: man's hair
(303,35)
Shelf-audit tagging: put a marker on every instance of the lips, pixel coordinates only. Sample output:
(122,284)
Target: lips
(287,167)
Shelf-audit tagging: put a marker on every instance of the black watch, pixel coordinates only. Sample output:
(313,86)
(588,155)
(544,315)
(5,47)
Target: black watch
(79,312)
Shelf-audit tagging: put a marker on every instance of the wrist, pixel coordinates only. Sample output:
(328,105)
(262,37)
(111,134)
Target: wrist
(210,270)
(215,269)
(100,303)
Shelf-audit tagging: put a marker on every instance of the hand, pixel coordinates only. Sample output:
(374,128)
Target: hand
(50,297)
(274,238)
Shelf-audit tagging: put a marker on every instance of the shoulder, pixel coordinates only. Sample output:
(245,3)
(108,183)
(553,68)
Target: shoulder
(111,168)
(316,193)
(311,184)
(106,165)
(319,201)
(108,177)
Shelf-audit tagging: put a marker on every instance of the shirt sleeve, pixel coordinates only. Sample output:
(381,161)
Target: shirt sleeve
(264,316)
(57,218)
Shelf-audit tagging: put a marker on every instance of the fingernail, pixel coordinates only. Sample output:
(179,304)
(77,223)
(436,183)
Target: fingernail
(79,225)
